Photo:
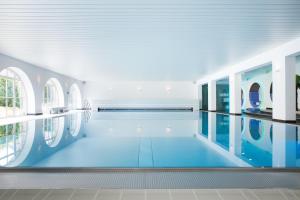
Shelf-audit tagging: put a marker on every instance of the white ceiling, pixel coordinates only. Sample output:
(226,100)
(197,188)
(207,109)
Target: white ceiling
(142,39)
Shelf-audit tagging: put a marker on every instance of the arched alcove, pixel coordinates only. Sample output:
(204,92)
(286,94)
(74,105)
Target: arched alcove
(53,95)
(254,95)
(74,100)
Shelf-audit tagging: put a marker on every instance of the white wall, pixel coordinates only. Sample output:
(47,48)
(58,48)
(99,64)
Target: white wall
(38,77)
(141,94)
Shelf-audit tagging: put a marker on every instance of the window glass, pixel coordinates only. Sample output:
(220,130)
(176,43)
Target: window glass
(12,94)
(51,95)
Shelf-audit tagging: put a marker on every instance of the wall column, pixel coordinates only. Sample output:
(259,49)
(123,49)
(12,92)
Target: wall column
(212,105)
(200,96)
(235,101)
(284,88)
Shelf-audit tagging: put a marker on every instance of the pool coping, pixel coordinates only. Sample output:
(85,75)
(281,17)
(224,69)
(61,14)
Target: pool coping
(144,170)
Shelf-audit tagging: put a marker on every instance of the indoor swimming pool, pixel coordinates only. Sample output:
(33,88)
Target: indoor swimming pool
(183,140)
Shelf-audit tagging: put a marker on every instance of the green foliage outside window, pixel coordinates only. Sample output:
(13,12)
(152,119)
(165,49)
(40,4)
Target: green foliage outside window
(11,95)
(2,87)
(11,129)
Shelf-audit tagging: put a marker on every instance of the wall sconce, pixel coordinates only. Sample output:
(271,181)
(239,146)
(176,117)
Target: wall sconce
(168,130)
(139,88)
(168,89)
(139,129)
(38,78)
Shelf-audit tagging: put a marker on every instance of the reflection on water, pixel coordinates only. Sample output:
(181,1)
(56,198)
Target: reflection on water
(121,139)
(222,134)
(12,141)
(53,129)
(74,124)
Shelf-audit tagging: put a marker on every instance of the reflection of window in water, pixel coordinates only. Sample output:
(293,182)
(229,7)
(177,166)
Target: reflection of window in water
(52,128)
(256,129)
(298,143)
(12,140)
(74,124)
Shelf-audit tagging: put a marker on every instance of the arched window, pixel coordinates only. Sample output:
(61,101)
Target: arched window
(74,97)
(13,99)
(53,130)
(254,95)
(53,95)
(256,129)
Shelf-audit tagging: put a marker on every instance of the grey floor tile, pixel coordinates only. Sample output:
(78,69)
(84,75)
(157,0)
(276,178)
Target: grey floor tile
(133,195)
(26,194)
(296,193)
(268,194)
(158,195)
(249,194)
(8,194)
(2,192)
(207,194)
(183,195)
(231,194)
(109,195)
(60,194)
(84,194)
(288,194)
(42,194)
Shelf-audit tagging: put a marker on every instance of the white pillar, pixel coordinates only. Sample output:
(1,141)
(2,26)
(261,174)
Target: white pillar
(235,142)
(284,88)
(284,145)
(235,94)
(200,96)
(212,95)
(212,129)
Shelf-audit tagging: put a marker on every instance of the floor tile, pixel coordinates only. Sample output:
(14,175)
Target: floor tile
(60,194)
(249,194)
(8,194)
(26,194)
(108,195)
(207,194)
(157,195)
(288,194)
(296,193)
(268,194)
(183,195)
(84,194)
(133,195)
(42,194)
(231,194)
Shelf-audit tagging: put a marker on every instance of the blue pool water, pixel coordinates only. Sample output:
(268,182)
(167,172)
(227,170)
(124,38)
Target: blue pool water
(149,140)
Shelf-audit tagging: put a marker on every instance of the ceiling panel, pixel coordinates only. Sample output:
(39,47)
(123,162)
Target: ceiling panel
(143,40)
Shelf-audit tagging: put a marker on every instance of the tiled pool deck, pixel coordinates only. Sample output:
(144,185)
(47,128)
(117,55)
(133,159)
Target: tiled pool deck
(99,194)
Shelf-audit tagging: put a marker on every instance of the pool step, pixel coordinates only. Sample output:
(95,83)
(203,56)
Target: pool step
(145,153)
